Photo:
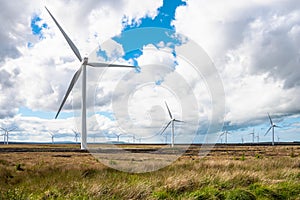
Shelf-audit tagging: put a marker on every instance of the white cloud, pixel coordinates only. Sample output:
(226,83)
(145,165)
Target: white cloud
(254,46)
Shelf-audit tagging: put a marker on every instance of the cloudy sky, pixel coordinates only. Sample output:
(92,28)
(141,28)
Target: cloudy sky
(249,55)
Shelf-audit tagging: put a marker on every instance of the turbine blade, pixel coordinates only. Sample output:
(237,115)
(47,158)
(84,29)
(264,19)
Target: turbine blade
(108,65)
(270,119)
(268,130)
(71,44)
(176,120)
(169,110)
(12,129)
(72,83)
(277,126)
(166,127)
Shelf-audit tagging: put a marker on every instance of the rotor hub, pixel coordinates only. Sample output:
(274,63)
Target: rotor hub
(85,60)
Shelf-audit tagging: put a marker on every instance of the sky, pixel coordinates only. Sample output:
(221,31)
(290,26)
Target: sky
(249,54)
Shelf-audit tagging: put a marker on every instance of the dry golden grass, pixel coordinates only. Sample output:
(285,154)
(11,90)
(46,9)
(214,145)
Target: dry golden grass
(228,172)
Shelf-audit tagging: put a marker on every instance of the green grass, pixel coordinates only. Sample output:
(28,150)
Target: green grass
(80,176)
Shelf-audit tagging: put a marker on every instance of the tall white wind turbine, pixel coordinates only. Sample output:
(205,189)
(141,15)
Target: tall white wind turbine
(172,121)
(82,69)
(273,126)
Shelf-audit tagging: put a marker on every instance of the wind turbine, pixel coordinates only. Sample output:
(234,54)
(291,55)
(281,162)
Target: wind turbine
(76,135)
(133,138)
(172,121)
(118,137)
(257,137)
(225,133)
(6,133)
(242,138)
(52,136)
(220,138)
(3,137)
(84,63)
(140,140)
(273,126)
(253,135)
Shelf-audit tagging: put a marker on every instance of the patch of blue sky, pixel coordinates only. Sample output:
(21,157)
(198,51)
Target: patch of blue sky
(158,82)
(102,53)
(26,112)
(140,32)
(36,27)
(163,19)
(29,45)
(108,115)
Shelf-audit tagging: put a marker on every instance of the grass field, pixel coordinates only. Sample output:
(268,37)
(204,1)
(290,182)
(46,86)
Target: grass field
(228,172)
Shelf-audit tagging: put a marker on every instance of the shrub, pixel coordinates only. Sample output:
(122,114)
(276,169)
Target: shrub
(243,157)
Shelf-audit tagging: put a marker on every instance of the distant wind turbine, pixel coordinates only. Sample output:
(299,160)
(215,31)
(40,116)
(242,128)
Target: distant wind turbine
(225,133)
(257,137)
(253,135)
(118,136)
(84,63)
(133,138)
(172,121)
(77,134)
(6,133)
(140,140)
(3,137)
(273,126)
(242,140)
(52,136)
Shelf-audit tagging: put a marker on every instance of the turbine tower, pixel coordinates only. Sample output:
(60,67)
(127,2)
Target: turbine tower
(84,62)
(172,121)
(273,126)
